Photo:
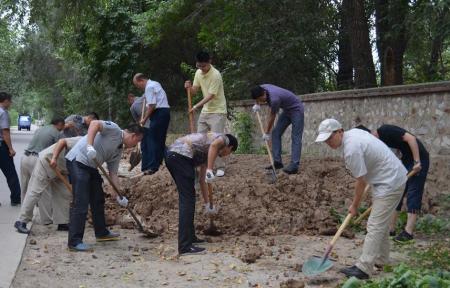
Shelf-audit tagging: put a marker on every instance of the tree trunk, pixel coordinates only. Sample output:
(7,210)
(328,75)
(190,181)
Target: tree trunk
(437,45)
(392,38)
(360,45)
(345,73)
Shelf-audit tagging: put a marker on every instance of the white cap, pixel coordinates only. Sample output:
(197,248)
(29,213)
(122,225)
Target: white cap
(326,128)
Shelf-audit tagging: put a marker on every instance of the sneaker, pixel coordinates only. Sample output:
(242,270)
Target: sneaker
(21,227)
(81,247)
(404,238)
(354,272)
(111,236)
(63,227)
(220,173)
(291,169)
(194,250)
(277,165)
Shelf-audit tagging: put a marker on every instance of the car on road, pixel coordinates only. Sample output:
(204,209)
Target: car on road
(24,122)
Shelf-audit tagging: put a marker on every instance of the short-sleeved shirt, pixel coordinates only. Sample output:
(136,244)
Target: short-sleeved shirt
(109,146)
(211,83)
(42,138)
(196,146)
(80,128)
(4,121)
(136,110)
(278,97)
(155,95)
(365,155)
(393,137)
(60,161)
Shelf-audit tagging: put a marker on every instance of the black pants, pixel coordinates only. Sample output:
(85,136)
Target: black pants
(87,191)
(9,170)
(183,172)
(159,123)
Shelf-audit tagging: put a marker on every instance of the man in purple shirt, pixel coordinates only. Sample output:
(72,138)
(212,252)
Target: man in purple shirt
(277,97)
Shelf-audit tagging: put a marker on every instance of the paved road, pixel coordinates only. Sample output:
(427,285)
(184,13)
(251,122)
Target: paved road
(11,242)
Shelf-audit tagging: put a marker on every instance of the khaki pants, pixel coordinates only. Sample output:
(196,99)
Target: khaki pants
(27,164)
(53,197)
(377,243)
(213,122)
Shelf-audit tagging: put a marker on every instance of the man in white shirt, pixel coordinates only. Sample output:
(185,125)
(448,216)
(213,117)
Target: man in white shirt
(370,161)
(158,112)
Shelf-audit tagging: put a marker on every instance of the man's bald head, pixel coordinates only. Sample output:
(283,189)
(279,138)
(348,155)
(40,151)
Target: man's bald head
(140,80)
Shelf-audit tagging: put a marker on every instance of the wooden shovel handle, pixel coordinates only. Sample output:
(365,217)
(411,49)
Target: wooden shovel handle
(210,196)
(266,142)
(60,176)
(191,115)
(341,229)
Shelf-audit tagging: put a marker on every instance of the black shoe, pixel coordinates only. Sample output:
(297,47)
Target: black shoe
(21,227)
(354,271)
(198,241)
(194,250)
(392,233)
(277,165)
(291,169)
(63,227)
(150,171)
(404,238)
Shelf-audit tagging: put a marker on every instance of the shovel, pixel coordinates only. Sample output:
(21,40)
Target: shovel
(315,265)
(273,173)
(212,229)
(136,156)
(146,233)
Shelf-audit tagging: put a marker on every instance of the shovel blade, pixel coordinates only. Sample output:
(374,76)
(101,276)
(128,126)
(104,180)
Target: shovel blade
(315,265)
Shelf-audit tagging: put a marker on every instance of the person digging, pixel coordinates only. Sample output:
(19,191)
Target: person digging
(293,113)
(103,143)
(415,158)
(183,156)
(370,161)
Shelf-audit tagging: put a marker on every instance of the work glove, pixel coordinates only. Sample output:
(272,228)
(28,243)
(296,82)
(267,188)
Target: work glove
(266,137)
(209,176)
(256,108)
(91,153)
(209,210)
(122,201)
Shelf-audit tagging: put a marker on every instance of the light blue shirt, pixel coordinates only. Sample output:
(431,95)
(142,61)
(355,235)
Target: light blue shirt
(4,121)
(155,95)
(108,144)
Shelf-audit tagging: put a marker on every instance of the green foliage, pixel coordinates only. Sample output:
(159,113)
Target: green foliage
(243,127)
(430,224)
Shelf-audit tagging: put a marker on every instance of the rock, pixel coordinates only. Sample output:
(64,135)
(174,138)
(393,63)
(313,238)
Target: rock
(251,255)
(291,283)
(94,256)
(33,242)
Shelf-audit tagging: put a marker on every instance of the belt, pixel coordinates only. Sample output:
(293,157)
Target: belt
(28,153)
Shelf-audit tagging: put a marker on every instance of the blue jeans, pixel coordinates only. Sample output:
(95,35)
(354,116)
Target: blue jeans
(183,173)
(284,120)
(145,150)
(9,170)
(87,191)
(159,123)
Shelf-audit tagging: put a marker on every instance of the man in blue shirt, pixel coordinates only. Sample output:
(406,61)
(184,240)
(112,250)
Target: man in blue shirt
(277,97)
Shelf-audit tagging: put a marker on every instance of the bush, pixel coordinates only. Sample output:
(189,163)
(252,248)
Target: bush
(243,127)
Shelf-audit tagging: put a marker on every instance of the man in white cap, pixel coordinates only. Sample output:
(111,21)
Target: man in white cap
(370,161)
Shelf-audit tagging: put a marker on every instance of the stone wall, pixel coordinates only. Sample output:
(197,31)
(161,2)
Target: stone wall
(422,109)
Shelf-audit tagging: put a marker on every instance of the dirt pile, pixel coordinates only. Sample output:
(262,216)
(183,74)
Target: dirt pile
(308,201)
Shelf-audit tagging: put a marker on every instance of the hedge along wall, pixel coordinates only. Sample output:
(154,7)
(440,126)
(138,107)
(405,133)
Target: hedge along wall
(422,109)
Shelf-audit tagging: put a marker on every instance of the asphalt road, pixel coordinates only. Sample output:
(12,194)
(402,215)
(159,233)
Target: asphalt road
(11,242)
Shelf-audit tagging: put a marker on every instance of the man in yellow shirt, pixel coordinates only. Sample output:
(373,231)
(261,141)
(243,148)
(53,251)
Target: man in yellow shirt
(214,105)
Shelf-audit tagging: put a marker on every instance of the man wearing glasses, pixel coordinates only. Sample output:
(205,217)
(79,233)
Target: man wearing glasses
(214,105)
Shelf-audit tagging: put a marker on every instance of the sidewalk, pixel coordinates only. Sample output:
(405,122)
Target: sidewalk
(11,242)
